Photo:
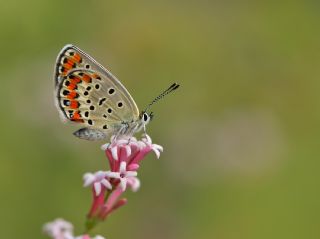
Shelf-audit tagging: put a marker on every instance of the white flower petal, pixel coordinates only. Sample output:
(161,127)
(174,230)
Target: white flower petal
(131,174)
(104,147)
(134,143)
(97,188)
(123,183)
(101,175)
(106,183)
(114,152)
(158,147)
(157,152)
(134,183)
(128,150)
(113,174)
(122,141)
(98,237)
(141,144)
(88,179)
(123,167)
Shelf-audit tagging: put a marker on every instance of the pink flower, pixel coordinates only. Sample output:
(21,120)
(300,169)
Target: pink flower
(61,229)
(123,175)
(131,151)
(98,180)
(124,157)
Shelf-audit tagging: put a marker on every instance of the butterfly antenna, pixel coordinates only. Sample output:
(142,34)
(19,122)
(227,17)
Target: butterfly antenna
(173,87)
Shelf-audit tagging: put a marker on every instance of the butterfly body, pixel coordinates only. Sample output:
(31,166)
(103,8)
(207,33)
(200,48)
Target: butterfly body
(89,95)
(126,129)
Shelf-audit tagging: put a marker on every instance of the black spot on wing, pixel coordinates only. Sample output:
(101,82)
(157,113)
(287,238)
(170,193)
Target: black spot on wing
(102,100)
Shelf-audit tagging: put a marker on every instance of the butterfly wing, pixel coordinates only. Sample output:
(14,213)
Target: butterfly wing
(90,95)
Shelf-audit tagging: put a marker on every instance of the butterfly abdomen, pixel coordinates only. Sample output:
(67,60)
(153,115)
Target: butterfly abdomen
(89,134)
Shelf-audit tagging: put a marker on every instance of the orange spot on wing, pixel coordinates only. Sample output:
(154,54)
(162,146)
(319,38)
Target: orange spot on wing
(86,78)
(74,104)
(72,86)
(67,66)
(77,57)
(65,71)
(77,117)
(72,95)
(70,62)
(75,80)
(94,75)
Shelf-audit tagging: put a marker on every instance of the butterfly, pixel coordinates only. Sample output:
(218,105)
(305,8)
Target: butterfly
(89,95)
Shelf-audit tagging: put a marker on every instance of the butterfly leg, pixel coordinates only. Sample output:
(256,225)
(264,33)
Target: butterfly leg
(144,129)
(122,131)
(131,132)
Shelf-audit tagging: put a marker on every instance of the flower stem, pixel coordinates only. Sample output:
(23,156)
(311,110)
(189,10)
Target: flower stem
(91,223)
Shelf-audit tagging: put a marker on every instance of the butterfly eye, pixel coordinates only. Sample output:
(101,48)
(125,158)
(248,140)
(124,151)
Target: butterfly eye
(145,117)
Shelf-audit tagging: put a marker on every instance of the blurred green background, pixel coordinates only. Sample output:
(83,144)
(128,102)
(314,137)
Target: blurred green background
(241,136)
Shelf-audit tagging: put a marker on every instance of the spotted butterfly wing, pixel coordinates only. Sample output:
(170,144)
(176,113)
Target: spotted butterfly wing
(90,95)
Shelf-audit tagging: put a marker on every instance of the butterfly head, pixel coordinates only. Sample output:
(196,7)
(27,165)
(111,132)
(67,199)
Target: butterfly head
(145,117)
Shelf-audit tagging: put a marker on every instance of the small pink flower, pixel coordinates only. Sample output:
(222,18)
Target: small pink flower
(131,151)
(123,175)
(98,180)
(61,229)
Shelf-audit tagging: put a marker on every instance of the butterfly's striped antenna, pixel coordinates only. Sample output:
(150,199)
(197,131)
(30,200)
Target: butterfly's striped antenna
(173,87)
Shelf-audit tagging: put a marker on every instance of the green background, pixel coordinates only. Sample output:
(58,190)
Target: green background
(241,136)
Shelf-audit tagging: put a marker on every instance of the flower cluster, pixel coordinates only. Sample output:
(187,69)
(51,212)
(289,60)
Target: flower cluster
(124,156)
(61,229)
